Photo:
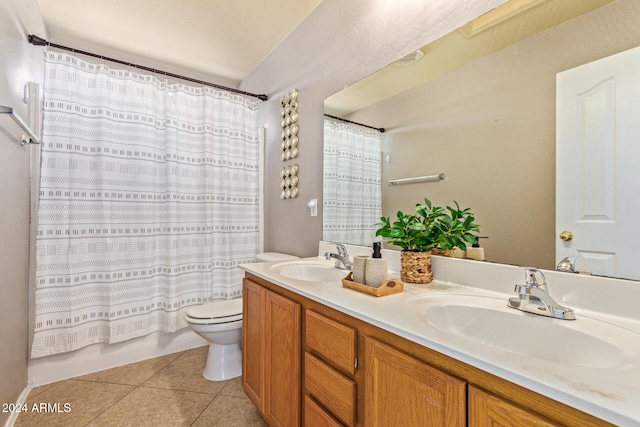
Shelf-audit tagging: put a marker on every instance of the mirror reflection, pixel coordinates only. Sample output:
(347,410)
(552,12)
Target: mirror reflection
(480,107)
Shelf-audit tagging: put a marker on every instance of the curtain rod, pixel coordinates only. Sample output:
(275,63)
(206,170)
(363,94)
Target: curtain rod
(381,130)
(37,41)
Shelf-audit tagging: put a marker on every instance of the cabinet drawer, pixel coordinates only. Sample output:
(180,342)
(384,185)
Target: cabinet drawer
(316,416)
(332,341)
(331,389)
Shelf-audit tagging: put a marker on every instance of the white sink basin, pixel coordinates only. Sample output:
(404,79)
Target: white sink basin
(584,342)
(310,271)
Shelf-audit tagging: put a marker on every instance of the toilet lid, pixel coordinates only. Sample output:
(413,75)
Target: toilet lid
(220,309)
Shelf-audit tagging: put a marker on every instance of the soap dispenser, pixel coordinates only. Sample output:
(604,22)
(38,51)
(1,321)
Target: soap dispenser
(376,267)
(475,251)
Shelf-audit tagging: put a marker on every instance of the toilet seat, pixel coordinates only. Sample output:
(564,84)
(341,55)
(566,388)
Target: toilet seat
(216,312)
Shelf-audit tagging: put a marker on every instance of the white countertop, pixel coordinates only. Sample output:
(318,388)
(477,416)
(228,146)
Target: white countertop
(612,394)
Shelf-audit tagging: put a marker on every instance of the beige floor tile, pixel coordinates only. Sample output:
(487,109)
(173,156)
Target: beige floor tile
(134,373)
(37,390)
(233,388)
(86,400)
(154,407)
(228,411)
(185,373)
(173,393)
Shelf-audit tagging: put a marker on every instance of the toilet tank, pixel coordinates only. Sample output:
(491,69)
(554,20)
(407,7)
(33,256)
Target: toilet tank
(274,256)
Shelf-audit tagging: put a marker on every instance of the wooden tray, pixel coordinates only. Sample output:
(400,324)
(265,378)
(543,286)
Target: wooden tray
(389,287)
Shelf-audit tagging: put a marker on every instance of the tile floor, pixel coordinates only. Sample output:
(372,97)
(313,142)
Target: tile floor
(165,391)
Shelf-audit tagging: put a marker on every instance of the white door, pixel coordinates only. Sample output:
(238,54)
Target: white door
(598,165)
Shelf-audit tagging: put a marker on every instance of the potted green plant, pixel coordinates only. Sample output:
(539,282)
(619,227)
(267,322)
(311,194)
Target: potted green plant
(430,227)
(455,230)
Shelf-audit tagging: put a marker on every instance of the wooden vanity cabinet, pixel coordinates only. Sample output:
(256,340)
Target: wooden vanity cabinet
(316,416)
(336,370)
(401,390)
(253,341)
(331,341)
(271,336)
(330,360)
(486,410)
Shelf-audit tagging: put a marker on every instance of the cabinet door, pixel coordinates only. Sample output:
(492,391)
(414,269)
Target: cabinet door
(282,370)
(401,390)
(253,344)
(486,410)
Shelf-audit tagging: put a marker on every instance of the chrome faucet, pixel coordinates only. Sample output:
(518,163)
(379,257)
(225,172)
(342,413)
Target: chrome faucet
(568,264)
(342,258)
(533,297)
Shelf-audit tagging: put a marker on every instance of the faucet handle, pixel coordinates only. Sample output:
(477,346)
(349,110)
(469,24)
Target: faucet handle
(534,278)
(342,250)
(568,264)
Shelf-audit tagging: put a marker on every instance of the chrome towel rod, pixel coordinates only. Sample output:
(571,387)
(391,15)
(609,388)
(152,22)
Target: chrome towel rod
(30,137)
(438,177)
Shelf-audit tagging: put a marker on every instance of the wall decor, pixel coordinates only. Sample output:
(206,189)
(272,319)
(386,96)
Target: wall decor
(289,144)
(289,182)
(289,123)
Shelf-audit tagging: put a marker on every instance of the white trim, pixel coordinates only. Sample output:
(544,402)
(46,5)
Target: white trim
(13,416)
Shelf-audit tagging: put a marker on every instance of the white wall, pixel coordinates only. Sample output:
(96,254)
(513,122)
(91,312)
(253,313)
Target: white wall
(19,65)
(338,44)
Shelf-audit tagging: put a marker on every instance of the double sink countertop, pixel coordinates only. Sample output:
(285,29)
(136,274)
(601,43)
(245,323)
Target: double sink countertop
(591,363)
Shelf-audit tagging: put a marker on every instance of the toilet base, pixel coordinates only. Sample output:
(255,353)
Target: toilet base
(223,362)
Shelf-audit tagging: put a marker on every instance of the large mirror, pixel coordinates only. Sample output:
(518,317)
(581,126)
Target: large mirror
(480,107)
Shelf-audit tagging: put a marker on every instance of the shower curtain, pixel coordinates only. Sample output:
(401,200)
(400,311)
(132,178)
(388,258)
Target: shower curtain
(149,200)
(352,192)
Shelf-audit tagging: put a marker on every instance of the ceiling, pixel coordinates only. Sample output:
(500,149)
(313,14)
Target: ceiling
(503,26)
(216,40)
(222,41)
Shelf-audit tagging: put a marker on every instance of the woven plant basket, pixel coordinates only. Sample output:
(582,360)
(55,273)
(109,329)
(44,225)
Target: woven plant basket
(443,252)
(415,267)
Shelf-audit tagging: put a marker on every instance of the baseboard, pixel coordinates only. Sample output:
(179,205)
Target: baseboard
(98,357)
(13,416)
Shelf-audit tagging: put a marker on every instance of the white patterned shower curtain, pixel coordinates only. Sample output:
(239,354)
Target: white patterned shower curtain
(352,192)
(149,200)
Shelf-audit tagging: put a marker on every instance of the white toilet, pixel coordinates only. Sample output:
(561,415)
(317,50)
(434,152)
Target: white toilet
(220,323)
